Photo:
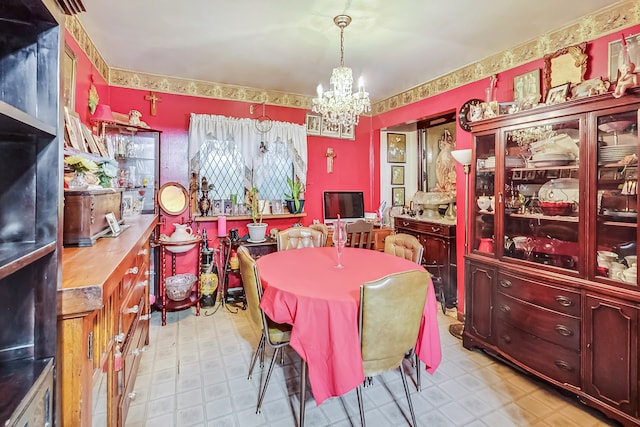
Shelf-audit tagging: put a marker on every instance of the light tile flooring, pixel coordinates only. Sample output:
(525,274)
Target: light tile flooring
(194,373)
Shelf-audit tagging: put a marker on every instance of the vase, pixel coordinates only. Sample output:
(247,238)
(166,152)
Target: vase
(292,206)
(257,231)
(78,182)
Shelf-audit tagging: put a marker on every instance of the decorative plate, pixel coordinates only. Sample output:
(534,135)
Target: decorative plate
(464,117)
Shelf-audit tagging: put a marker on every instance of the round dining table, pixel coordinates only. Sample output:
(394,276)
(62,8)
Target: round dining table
(305,288)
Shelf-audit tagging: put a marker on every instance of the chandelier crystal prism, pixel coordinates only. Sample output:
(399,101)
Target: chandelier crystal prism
(339,105)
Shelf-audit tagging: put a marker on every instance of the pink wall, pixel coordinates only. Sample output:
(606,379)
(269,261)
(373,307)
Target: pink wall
(357,165)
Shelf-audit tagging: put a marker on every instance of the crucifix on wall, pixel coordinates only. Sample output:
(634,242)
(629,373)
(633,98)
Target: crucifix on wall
(153,98)
(330,155)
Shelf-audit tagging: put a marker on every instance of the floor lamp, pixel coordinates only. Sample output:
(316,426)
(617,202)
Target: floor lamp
(464,158)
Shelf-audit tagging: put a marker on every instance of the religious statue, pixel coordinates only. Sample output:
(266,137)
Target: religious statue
(445,164)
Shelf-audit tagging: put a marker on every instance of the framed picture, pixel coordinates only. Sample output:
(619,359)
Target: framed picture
(526,86)
(76,139)
(396,148)
(615,49)
(397,175)
(276,206)
(347,132)
(69,64)
(517,175)
(227,207)
(330,130)
(314,124)
(127,204)
(530,175)
(565,173)
(217,207)
(557,94)
(397,195)
(113,223)
(90,140)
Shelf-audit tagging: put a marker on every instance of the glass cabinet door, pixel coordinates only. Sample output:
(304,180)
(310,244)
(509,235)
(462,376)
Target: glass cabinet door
(617,197)
(136,151)
(541,194)
(482,207)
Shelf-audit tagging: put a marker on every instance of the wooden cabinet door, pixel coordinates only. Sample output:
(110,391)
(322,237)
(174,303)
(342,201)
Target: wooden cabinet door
(611,352)
(479,304)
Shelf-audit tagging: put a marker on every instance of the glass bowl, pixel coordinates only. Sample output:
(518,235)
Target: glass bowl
(178,287)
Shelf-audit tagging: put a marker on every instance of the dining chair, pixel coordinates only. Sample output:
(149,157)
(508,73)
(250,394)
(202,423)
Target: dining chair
(360,234)
(322,228)
(275,335)
(408,247)
(404,246)
(389,320)
(299,237)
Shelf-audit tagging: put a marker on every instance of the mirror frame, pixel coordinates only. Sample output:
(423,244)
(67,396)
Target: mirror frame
(179,187)
(574,66)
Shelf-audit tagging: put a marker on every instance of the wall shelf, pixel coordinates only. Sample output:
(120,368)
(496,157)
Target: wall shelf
(248,217)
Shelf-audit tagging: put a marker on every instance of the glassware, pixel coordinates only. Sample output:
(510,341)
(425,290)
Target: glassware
(339,240)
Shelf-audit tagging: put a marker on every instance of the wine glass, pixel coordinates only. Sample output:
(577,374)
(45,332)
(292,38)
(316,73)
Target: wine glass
(340,239)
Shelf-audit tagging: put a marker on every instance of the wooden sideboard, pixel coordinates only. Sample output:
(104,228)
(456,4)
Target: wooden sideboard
(103,325)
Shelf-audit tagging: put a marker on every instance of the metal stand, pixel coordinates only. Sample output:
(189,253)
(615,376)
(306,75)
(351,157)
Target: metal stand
(222,262)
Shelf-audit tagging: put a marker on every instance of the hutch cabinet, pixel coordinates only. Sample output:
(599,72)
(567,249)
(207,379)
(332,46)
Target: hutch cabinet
(439,256)
(30,192)
(551,281)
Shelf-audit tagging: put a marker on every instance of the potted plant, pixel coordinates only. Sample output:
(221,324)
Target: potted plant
(257,229)
(294,201)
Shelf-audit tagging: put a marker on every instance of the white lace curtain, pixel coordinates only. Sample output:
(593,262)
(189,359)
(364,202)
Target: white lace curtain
(244,134)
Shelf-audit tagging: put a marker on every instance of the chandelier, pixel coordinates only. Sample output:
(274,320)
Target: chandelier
(339,105)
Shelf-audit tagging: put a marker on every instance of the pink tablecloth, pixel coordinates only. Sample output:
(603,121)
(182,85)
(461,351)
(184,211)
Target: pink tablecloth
(303,287)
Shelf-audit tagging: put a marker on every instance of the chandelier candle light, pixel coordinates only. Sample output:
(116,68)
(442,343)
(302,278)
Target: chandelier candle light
(339,105)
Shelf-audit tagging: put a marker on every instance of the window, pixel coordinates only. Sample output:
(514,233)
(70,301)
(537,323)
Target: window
(223,165)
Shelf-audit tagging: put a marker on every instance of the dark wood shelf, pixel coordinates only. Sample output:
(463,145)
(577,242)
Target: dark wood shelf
(172,305)
(14,256)
(16,380)
(15,121)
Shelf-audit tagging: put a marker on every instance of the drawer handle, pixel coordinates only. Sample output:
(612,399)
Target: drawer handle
(563,365)
(132,270)
(505,283)
(563,330)
(405,223)
(132,395)
(507,339)
(133,309)
(505,308)
(143,251)
(144,317)
(119,338)
(435,229)
(564,301)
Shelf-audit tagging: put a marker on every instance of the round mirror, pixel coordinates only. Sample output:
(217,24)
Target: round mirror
(173,198)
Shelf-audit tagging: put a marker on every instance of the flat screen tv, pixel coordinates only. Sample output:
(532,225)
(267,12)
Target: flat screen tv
(349,204)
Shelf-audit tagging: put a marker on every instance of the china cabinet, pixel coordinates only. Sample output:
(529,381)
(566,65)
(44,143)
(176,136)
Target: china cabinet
(30,191)
(551,281)
(137,151)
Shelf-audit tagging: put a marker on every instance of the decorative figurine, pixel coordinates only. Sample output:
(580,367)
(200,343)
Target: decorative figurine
(204,203)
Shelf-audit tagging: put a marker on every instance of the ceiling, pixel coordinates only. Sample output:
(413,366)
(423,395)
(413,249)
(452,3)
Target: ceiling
(292,45)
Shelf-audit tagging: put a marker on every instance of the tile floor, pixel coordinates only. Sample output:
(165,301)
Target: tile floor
(194,373)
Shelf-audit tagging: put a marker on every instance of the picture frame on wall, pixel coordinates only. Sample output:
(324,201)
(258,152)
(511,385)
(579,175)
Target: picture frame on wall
(347,132)
(314,124)
(69,65)
(397,175)
(396,147)
(527,86)
(397,196)
(276,206)
(329,130)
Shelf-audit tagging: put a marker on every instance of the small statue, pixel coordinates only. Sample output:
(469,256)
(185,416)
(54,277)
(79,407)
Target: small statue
(204,203)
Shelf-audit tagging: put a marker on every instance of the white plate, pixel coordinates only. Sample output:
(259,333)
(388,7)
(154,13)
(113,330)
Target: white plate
(551,156)
(547,163)
(560,190)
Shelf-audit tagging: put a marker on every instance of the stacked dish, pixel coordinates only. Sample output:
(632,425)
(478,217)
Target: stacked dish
(551,159)
(615,153)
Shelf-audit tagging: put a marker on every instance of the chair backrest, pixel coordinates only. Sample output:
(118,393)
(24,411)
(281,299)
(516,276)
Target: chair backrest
(299,237)
(360,234)
(251,284)
(405,246)
(390,316)
(322,228)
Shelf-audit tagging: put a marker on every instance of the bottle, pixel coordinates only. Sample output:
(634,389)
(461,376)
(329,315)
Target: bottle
(205,242)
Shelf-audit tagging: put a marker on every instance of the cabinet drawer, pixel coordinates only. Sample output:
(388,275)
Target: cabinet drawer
(131,362)
(551,297)
(548,325)
(432,228)
(132,307)
(554,361)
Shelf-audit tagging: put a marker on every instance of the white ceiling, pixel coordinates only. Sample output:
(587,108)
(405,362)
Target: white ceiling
(292,45)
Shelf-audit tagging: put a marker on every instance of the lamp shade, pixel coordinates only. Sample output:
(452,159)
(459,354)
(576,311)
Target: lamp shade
(102,114)
(462,156)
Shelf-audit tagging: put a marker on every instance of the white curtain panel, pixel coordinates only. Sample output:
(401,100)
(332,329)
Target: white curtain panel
(244,133)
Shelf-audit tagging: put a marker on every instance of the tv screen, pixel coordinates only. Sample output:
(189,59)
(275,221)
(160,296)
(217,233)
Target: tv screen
(349,204)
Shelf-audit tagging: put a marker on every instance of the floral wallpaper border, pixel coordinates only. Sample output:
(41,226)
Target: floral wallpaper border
(606,21)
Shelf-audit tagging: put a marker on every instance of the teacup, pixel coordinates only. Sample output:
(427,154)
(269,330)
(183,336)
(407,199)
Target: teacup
(615,269)
(631,260)
(630,275)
